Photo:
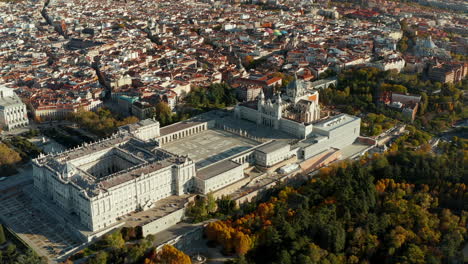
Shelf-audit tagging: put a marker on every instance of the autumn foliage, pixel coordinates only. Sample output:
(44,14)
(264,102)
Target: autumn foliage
(167,255)
(8,159)
(406,207)
(232,239)
(102,122)
(8,156)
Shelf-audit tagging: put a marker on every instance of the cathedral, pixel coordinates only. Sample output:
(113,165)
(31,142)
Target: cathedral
(291,112)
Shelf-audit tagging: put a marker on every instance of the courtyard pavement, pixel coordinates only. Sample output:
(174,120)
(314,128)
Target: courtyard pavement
(210,146)
(43,233)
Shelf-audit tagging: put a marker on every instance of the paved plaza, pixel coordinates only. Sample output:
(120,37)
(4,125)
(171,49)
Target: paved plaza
(41,232)
(255,130)
(210,146)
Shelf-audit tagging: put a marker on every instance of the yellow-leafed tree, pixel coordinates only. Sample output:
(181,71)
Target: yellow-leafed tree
(171,255)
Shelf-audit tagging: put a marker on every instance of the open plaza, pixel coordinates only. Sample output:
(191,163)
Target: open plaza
(210,146)
(43,233)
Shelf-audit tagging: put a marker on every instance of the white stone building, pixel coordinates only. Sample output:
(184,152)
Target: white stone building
(272,153)
(133,169)
(393,62)
(102,181)
(218,176)
(13,113)
(292,113)
(336,132)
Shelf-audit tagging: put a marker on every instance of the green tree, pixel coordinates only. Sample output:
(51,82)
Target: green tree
(210,203)
(102,122)
(285,257)
(451,242)
(11,254)
(198,209)
(114,240)
(29,257)
(163,113)
(415,255)
(226,205)
(316,253)
(217,95)
(401,217)
(377,130)
(423,104)
(100,258)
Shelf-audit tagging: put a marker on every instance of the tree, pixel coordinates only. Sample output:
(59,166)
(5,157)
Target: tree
(29,257)
(402,45)
(128,120)
(198,209)
(217,95)
(285,257)
(8,156)
(377,130)
(394,88)
(415,255)
(100,258)
(137,251)
(226,205)
(242,243)
(424,103)
(101,122)
(128,233)
(171,255)
(2,235)
(452,241)
(114,240)
(353,219)
(163,113)
(210,203)
(316,253)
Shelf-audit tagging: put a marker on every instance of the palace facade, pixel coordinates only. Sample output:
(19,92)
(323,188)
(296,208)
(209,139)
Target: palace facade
(142,163)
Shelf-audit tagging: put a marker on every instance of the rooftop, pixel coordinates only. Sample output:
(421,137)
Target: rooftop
(178,127)
(132,158)
(272,146)
(134,173)
(335,122)
(8,97)
(216,169)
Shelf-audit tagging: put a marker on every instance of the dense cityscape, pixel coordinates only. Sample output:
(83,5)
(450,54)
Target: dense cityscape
(233,131)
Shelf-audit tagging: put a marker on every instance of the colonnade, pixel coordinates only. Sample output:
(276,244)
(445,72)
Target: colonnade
(248,157)
(183,133)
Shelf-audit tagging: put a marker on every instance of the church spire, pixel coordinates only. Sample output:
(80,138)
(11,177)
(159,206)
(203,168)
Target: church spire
(261,100)
(294,90)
